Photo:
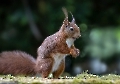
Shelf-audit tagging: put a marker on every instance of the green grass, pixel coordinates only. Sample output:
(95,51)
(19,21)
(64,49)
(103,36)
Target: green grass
(83,78)
(95,79)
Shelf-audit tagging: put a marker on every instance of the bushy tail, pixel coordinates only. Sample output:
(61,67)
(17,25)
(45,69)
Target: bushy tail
(17,63)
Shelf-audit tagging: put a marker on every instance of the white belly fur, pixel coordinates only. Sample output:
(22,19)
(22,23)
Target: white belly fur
(57,60)
(59,57)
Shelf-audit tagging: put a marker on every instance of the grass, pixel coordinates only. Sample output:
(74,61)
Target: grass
(83,78)
(95,79)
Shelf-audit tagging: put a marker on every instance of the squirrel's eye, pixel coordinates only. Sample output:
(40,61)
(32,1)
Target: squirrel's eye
(71,28)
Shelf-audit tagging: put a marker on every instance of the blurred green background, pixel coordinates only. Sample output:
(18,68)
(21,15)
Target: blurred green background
(24,24)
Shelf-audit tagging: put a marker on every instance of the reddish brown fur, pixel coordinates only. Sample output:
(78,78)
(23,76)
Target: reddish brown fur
(55,44)
(51,54)
(16,63)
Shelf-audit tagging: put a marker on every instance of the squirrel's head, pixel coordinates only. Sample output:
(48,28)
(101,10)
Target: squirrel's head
(70,29)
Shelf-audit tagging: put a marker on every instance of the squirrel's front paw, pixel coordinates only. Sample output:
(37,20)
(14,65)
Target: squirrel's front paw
(75,52)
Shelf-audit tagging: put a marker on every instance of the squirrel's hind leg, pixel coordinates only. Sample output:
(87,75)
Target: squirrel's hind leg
(44,67)
(60,70)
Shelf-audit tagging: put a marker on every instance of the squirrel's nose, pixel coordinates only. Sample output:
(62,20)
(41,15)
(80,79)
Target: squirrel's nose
(79,36)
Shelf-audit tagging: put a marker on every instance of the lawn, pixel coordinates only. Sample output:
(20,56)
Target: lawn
(83,78)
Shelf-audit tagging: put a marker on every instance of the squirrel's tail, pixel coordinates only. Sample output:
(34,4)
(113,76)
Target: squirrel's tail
(17,63)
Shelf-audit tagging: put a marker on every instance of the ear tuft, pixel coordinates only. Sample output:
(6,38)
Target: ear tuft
(66,22)
(73,19)
(65,12)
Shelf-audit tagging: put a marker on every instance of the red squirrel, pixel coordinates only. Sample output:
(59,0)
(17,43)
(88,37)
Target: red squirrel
(51,53)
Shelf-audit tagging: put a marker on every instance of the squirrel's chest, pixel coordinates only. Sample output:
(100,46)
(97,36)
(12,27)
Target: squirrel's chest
(69,42)
(57,60)
(59,57)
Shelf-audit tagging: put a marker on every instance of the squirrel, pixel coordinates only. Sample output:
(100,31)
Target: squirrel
(51,53)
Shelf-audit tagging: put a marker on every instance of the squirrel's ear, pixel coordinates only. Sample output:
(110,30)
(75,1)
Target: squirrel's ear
(66,22)
(73,19)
